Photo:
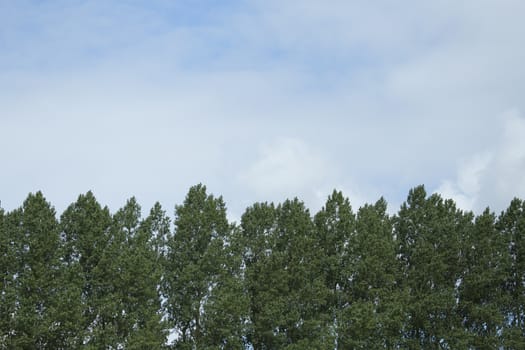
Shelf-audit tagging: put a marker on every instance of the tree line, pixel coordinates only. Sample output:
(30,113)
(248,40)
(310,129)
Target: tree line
(429,277)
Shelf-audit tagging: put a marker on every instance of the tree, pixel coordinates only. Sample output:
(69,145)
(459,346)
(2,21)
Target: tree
(511,224)
(138,275)
(226,309)
(85,227)
(264,282)
(113,262)
(305,320)
(7,280)
(36,321)
(335,225)
(429,234)
(373,312)
(194,266)
(480,299)
(288,296)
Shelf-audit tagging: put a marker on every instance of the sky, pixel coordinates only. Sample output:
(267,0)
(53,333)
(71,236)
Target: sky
(262,100)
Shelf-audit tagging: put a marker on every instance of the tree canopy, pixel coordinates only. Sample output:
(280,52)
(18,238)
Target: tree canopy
(430,276)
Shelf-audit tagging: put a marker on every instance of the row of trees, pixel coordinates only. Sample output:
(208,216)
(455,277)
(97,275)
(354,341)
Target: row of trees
(429,277)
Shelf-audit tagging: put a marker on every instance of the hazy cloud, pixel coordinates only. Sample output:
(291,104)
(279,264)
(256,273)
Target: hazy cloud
(261,99)
(495,177)
(285,166)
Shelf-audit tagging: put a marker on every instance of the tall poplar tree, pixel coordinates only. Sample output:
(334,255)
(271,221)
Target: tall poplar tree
(7,279)
(511,224)
(288,295)
(226,309)
(85,227)
(193,265)
(335,225)
(264,282)
(36,321)
(373,313)
(150,249)
(137,276)
(482,284)
(305,320)
(429,234)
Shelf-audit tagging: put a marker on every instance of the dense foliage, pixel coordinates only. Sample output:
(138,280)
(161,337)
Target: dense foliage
(430,277)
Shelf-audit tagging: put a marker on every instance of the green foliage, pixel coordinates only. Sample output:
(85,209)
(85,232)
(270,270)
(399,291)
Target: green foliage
(85,227)
(200,283)
(34,277)
(430,277)
(373,311)
(136,275)
(430,233)
(284,280)
(335,225)
(7,280)
(511,224)
(482,285)
(263,281)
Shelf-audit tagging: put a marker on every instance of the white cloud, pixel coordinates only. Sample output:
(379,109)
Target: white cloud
(289,167)
(465,189)
(492,178)
(148,98)
(285,166)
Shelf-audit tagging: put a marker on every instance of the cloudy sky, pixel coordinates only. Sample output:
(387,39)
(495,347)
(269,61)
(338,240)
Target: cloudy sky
(262,100)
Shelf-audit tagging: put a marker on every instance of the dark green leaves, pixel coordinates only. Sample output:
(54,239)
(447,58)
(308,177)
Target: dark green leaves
(431,276)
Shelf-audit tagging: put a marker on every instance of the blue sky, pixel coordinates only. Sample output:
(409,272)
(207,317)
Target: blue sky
(262,100)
